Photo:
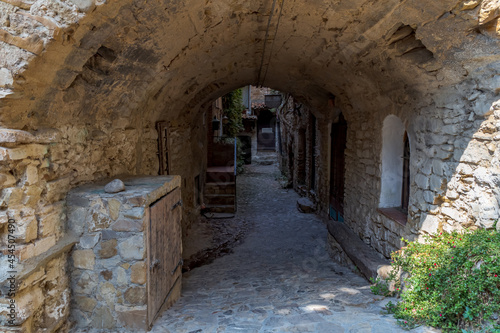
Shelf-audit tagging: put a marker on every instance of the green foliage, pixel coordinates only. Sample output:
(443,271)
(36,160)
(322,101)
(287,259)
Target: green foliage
(380,287)
(232,105)
(451,281)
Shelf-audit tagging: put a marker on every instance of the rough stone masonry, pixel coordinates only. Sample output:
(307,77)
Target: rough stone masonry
(83,82)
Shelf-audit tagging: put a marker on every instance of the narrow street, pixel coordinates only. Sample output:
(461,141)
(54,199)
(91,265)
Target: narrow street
(280,279)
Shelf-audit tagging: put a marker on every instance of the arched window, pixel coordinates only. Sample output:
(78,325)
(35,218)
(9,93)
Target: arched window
(395,187)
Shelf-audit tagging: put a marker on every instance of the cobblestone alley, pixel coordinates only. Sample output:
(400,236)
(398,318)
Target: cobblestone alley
(280,279)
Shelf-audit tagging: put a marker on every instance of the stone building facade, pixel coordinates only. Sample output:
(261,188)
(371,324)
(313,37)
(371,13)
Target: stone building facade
(452,178)
(84,82)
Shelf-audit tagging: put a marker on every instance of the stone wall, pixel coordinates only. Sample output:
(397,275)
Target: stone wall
(453,166)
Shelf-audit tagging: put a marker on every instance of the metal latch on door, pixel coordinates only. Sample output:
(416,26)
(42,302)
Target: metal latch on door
(179,203)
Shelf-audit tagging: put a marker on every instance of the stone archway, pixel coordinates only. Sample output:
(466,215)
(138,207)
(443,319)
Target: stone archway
(82,85)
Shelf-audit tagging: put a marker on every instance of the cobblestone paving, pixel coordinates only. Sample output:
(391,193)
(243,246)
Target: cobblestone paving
(280,279)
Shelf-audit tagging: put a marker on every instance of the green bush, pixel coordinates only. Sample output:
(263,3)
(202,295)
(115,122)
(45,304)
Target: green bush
(450,281)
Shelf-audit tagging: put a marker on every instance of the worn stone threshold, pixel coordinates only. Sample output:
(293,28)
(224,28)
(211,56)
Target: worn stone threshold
(366,259)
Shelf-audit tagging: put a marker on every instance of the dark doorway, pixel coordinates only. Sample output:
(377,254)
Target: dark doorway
(337,168)
(266,131)
(246,147)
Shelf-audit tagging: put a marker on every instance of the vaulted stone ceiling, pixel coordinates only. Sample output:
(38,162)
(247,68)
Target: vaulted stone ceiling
(117,62)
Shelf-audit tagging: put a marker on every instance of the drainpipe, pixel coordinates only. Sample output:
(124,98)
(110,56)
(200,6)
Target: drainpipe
(235,158)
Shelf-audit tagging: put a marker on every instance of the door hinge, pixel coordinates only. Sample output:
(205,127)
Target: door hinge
(180,263)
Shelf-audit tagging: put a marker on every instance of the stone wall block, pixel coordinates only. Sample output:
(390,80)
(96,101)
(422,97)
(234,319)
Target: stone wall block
(11,197)
(25,251)
(454,214)
(437,184)
(114,209)
(85,303)
(35,151)
(475,152)
(138,273)
(128,225)
(134,213)
(12,135)
(30,175)
(7,180)
(102,318)
(490,10)
(108,249)
(27,302)
(429,223)
(57,189)
(85,282)
(422,181)
(77,217)
(31,195)
(429,196)
(84,259)
(6,80)
(132,248)
(4,218)
(121,276)
(51,222)
(135,295)
(26,224)
(89,241)
(108,293)
(133,316)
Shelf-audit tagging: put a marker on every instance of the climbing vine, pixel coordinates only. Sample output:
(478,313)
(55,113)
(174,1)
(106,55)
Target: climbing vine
(232,106)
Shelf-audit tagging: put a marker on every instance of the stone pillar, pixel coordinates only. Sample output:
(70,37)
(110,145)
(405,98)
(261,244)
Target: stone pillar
(108,265)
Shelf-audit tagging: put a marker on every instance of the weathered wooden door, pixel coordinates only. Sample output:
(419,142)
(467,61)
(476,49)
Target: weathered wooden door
(165,251)
(337,169)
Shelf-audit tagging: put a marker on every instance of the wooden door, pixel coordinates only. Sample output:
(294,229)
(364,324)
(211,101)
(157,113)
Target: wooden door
(337,168)
(165,251)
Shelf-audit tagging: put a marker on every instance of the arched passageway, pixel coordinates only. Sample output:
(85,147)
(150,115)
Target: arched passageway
(83,83)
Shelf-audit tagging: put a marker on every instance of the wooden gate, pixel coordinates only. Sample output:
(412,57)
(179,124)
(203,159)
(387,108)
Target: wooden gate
(337,169)
(165,251)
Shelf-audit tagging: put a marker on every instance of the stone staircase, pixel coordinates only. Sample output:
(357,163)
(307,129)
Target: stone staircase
(220,190)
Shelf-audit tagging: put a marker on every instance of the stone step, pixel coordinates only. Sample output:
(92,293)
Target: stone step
(221,208)
(220,188)
(220,177)
(369,262)
(220,199)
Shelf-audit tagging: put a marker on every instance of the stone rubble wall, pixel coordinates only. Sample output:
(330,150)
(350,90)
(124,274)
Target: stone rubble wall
(109,262)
